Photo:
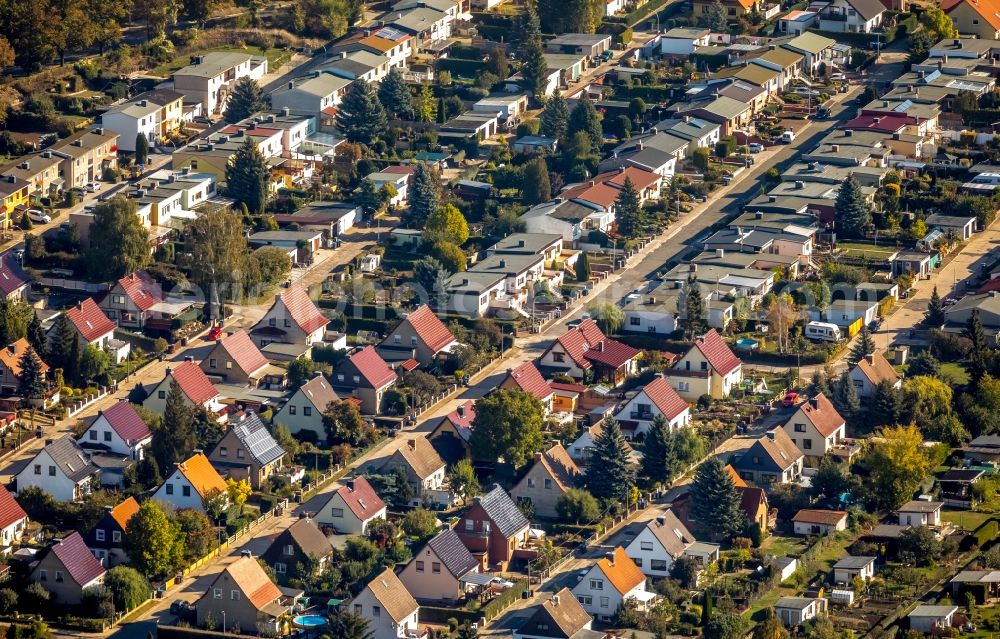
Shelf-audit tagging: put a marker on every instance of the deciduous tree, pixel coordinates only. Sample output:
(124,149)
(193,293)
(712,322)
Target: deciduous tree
(218,252)
(119,244)
(463,478)
(896,463)
(577,505)
(128,587)
(154,543)
(508,425)
(448,224)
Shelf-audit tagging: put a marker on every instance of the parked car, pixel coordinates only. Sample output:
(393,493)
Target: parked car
(38,216)
(755,147)
(788,137)
(93,187)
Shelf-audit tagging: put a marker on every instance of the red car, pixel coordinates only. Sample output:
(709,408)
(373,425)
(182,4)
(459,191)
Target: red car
(790,399)
(214,333)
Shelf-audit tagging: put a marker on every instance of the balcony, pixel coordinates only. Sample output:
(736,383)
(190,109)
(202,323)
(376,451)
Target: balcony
(836,17)
(641,416)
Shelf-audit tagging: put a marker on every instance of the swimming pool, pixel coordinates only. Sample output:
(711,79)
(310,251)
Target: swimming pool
(309,621)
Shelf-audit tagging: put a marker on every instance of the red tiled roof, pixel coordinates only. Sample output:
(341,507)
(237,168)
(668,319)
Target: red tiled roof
(194,383)
(882,122)
(528,379)
(243,351)
(465,417)
(640,178)
(577,340)
(429,328)
(751,498)
(124,420)
(302,310)
(611,353)
(141,289)
(665,398)
(409,365)
(989,10)
(81,565)
(90,320)
(717,352)
(12,276)
(568,388)
(361,498)
(990,285)
(822,415)
(372,367)
(10,511)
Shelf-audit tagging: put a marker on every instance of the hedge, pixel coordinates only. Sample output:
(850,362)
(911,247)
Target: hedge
(864,40)
(985,533)
(638,14)
(980,117)
(433,614)
(499,604)
(458,66)
(647,93)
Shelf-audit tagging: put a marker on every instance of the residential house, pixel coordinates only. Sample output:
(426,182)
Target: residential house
(106,539)
(754,504)
(191,483)
(957,486)
(584,351)
(40,169)
(10,365)
(365,375)
(472,293)
(815,48)
(118,429)
(796,22)
(979,18)
(772,459)
(682,41)
(572,219)
(931,620)
(85,156)
(816,427)
(872,370)
(731,114)
(244,600)
(582,448)
(351,507)
(424,470)
(14,281)
(920,513)
(786,62)
(14,195)
(590,45)
(986,304)
(734,8)
(548,477)
(423,334)
(133,300)
(248,451)
(155,115)
(311,95)
(66,569)
(494,528)
(661,542)
(708,368)
(437,573)
(236,360)
(62,469)
(388,606)
(655,399)
(399,183)
(197,390)
(13,521)
(796,611)
(559,617)
(810,521)
(610,582)
(450,437)
(847,569)
(91,326)
(851,16)
(653,151)
(303,412)
(299,551)
(292,319)
(210,79)
(528,379)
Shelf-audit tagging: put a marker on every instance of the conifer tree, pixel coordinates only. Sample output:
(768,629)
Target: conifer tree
(935,310)
(863,347)
(886,404)
(36,336)
(535,71)
(610,475)
(658,454)
(536,185)
(31,381)
(694,309)
(845,397)
(425,198)
(584,119)
(442,112)
(395,95)
(583,268)
(247,176)
(176,438)
(247,98)
(628,210)
(61,344)
(715,502)
(555,117)
(854,215)
(978,353)
(141,148)
(361,117)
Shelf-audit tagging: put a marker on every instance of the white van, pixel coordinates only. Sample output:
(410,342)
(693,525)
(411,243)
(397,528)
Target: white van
(788,137)
(823,332)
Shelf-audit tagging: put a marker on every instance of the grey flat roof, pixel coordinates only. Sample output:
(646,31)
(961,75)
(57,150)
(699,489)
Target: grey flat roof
(853,562)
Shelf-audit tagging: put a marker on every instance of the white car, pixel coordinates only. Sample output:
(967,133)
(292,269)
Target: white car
(41,217)
(755,147)
(93,187)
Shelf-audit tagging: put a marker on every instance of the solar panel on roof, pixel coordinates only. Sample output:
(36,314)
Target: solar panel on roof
(903,106)
(389,33)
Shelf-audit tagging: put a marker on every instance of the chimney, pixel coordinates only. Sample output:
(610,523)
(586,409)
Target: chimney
(760,214)
(958,43)
(315,373)
(142,103)
(461,410)
(661,521)
(814,403)
(870,357)
(652,300)
(11,179)
(411,444)
(591,183)
(291,85)
(692,268)
(610,556)
(285,111)
(848,133)
(799,184)
(350,485)
(770,435)
(770,198)
(720,252)
(503,263)
(25,165)
(48,441)
(538,457)
(520,243)
(555,600)
(640,145)
(835,148)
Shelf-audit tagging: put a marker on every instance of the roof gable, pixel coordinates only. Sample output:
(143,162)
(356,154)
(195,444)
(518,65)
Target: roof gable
(193,382)
(126,422)
(393,595)
(429,328)
(10,511)
(876,368)
(81,565)
(90,321)
(257,440)
(452,552)
(820,412)
(252,581)
(528,379)
(307,536)
(318,392)
(123,512)
(371,367)
(418,453)
(361,498)
(301,309)
(503,512)
(718,354)
(200,473)
(621,571)
(12,354)
(12,276)
(141,290)
(240,347)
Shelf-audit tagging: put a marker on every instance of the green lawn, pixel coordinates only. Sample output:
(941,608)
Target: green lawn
(781,546)
(954,374)
(275,58)
(857,249)
(968,519)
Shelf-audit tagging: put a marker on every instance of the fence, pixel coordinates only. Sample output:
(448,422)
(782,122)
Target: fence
(77,406)
(72,285)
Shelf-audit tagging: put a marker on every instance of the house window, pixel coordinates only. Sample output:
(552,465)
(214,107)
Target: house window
(291,410)
(376,612)
(272,322)
(116,536)
(337,512)
(604,602)
(756,461)
(234,595)
(223,451)
(60,576)
(52,471)
(548,484)
(531,482)
(597,584)
(486,527)
(585,600)
(161,394)
(397,339)
(38,469)
(357,609)
(807,444)
(288,323)
(99,534)
(93,435)
(645,545)
(307,411)
(107,435)
(436,567)
(289,549)
(170,489)
(559,357)
(635,321)
(638,561)
(704,366)
(217,593)
(240,453)
(658,564)
(186,491)
(279,568)
(469,524)
(340,377)
(43,575)
(211,362)
(357,379)
(420,566)
(800,428)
